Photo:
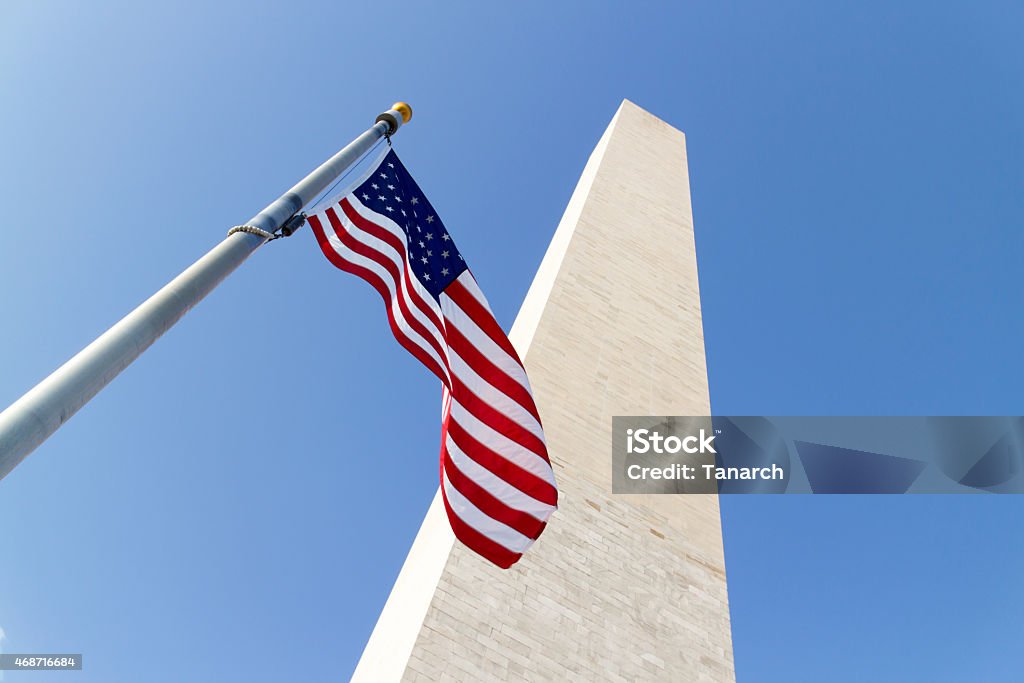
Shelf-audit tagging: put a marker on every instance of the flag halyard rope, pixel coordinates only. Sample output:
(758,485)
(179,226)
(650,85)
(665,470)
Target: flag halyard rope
(253,230)
(286,230)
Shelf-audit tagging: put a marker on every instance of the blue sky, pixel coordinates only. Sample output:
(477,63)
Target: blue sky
(237,504)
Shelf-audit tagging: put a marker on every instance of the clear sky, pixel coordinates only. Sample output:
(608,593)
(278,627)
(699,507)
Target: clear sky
(238,503)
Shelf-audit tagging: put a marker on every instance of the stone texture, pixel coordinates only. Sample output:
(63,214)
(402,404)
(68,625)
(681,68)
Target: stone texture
(618,588)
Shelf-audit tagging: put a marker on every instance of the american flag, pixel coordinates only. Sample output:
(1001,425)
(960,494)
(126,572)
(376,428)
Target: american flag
(496,480)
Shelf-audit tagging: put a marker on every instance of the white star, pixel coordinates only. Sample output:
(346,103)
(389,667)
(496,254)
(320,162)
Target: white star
(424,259)
(366,196)
(430,219)
(444,271)
(422,246)
(391,187)
(444,254)
(389,208)
(419,229)
(382,198)
(398,199)
(445,237)
(426,276)
(429,253)
(384,175)
(430,235)
(415,200)
(375,186)
(404,213)
(390,165)
(460,258)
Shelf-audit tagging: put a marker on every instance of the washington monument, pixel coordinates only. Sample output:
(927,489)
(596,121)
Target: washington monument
(619,588)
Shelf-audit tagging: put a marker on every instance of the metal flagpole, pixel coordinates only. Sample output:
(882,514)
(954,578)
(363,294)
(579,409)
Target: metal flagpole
(35,416)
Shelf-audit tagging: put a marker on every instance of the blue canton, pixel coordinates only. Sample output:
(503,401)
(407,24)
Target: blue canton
(392,192)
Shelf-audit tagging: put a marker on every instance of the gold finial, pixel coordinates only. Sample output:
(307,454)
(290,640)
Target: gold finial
(404,109)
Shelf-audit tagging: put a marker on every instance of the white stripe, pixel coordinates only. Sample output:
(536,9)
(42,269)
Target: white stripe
(492,396)
(456,317)
(496,486)
(498,532)
(396,312)
(446,400)
(470,283)
(501,444)
(396,230)
(388,252)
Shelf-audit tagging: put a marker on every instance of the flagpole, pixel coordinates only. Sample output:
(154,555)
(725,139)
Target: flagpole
(30,420)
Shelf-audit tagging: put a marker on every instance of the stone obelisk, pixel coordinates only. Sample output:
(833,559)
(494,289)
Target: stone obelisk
(618,588)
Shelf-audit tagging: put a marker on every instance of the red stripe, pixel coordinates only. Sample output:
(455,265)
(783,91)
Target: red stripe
(477,542)
(399,245)
(422,304)
(489,504)
(495,419)
(387,264)
(389,238)
(494,375)
(479,314)
(470,537)
(501,467)
(377,283)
